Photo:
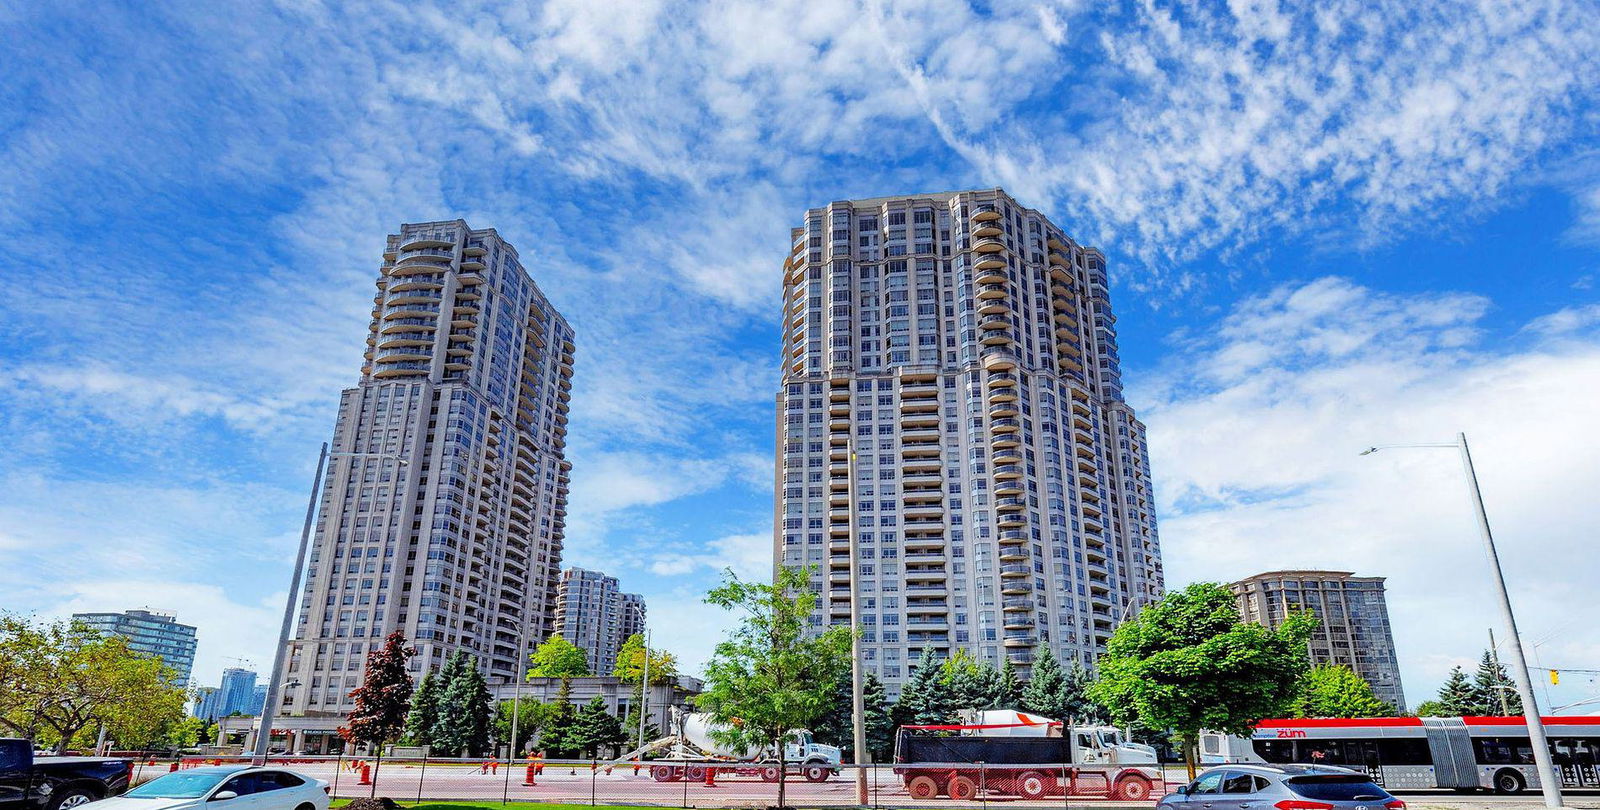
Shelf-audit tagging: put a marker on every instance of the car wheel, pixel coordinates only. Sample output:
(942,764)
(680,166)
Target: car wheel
(1508,781)
(1133,789)
(923,788)
(71,798)
(306,806)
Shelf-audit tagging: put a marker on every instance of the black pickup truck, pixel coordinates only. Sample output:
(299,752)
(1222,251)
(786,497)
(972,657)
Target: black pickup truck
(56,783)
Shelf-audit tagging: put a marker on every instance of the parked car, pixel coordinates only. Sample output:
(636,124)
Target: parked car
(1283,787)
(225,787)
(28,782)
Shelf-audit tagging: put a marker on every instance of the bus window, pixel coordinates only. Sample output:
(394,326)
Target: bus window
(1276,751)
(1503,750)
(1405,751)
(1322,752)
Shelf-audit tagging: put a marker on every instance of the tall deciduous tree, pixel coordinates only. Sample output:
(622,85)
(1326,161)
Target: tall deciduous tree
(1335,690)
(631,668)
(530,714)
(383,700)
(559,658)
(769,674)
(1188,662)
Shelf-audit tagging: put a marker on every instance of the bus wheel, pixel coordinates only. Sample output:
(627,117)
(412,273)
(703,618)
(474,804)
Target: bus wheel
(1508,781)
(1032,785)
(1133,789)
(962,788)
(922,788)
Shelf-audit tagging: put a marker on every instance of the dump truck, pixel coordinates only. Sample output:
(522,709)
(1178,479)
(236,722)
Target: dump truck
(1008,753)
(692,749)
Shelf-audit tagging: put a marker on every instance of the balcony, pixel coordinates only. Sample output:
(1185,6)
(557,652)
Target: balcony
(420,242)
(1001,393)
(390,341)
(992,323)
(1014,554)
(992,291)
(996,339)
(999,359)
(991,227)
(1016,586)
(1018,621)
(1016,604)
(926,575)
(994,307)
(989,245)
(1016,570)
(922,419)
(1025,640)
(1013,536)
(934,511)
(917,479)
(991,268)
(984,213)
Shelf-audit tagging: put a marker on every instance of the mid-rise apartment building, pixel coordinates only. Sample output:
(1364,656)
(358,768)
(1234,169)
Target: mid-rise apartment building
(594,614)
(1354,627)
(444,506)
(964,348)
(151,633)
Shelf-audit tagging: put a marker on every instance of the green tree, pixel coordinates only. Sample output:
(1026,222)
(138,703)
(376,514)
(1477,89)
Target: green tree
(1005,689)
(630,669)
(837,723)
(1045,688)
(383,699)
(559,658)
(967,683)
(880,726)
(595,728)
(1075,700)
(530,716)
(464,711)
(1188,662)
(924,700)
(1335,690)
(770,674)
(423,719)
(60,681)
(558,734)
(1457,697)
(1490,684)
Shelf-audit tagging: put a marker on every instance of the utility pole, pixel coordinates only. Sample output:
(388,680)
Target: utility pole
(858,712)
(644,689)
(1494,661)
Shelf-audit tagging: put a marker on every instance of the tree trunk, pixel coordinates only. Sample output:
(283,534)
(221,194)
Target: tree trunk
(1191,752)
(783,774)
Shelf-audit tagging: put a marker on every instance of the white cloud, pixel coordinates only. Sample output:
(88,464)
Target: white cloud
(1566,321)
(1255,455)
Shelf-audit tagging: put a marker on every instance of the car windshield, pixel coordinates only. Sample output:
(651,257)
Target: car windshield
(1337,788)
(177,785)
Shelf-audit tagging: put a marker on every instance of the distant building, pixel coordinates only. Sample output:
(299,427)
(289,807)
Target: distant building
(616,694)
(1354,629)
(594,614)
(237,690)
(205,703)
(258,698)
(157,634)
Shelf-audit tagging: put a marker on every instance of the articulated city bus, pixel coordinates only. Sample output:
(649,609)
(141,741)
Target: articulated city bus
(1422,753)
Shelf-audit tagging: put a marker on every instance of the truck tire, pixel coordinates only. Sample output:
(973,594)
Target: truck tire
(1507,781)
(1133,788)
(664,773)
(962,788)
(770,773)
(696,773)
(72,796)
(1032,785)
(816,773)
(923,788)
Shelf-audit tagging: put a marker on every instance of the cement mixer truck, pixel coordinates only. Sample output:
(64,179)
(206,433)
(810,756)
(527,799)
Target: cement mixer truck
(691,749)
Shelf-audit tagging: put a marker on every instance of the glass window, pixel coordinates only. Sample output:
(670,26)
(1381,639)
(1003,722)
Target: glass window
(1208,783)
(1238,783)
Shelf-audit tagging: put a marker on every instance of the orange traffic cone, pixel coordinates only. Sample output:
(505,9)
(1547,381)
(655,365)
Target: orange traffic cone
(711,776)
(527,778)
(174,766)
(366,774)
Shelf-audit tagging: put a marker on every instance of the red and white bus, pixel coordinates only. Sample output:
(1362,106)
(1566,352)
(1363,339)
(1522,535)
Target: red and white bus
(1423,753)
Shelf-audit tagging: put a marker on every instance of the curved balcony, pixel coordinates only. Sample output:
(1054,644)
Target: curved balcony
(1008,471)
(404,353)
(1004,425)
(1012,536)
(1011,520)
(1010,503)
(991,268)
(999,359)
(1056,258)
(992,227)
(1003,410)
(1016,604)
(1018,641)
(1018,621)
(405,339)
(419,242)
(400,369)
(430,281)
(421,262)
(989,246)
(412,295)
(994,306)
(992,291)
(984,213)
(1002,393)
(1007,455)
(995,323)
(1001,379)
(999,338)
(423,311)
(1016,570)
(1015,586)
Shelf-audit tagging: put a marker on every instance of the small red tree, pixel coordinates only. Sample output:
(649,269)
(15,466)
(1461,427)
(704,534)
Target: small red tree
(384,697)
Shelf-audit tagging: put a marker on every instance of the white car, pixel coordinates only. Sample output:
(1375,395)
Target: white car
(224,787)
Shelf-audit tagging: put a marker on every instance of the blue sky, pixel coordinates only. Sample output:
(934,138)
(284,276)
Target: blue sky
(1330,226)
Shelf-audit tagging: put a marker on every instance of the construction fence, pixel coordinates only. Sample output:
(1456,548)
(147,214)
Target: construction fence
(691,783)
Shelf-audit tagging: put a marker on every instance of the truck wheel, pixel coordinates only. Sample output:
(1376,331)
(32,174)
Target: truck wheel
(1032,785)
(696,773)
(70,798)
(962,788)
(769,773)
(816,773)
(663,773)
(1133,789)
(1507,781)
(923,788)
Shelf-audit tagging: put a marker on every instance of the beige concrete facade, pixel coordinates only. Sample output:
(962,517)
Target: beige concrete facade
(594,614)
(1354,614)
(467,377)
(964,346)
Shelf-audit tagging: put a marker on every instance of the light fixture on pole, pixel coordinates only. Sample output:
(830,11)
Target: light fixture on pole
(269,708)
(1549,782)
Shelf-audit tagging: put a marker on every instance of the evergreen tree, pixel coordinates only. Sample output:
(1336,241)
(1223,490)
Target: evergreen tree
(1042,694)
(464,710)
(1491,684)
(967,684)
(1005,690)
(558,736)
(595,728)
(1075,701)
(1457,697)
(424,714)
(836,726)
(384,696)
(924,698)
(880,726)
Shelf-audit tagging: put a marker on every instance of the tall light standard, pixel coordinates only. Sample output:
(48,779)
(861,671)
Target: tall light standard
(1530,709)
(269,709)
(858,712)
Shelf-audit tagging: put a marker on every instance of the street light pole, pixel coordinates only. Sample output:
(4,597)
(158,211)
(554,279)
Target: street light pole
(858,712)
(1548,780)
(269,708)
(644,690)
